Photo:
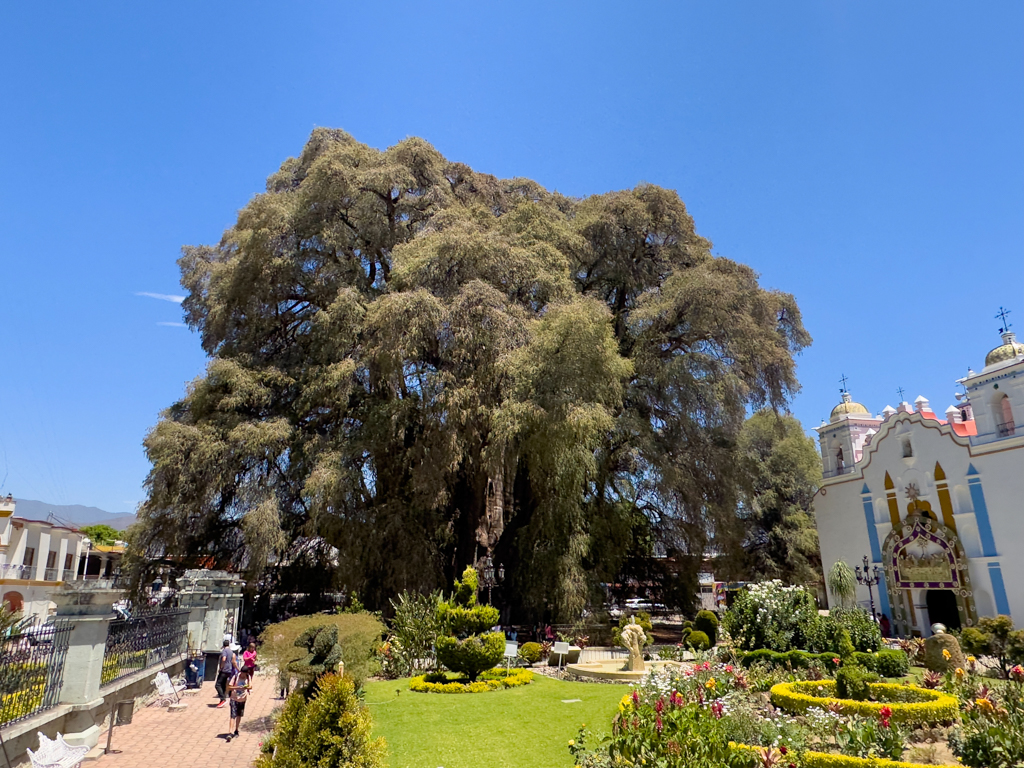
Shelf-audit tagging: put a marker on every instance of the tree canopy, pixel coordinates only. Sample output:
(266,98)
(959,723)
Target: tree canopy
(413,363)
(103,534)
(776,537)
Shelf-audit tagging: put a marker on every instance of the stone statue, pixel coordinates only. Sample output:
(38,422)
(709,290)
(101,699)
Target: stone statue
(633,639)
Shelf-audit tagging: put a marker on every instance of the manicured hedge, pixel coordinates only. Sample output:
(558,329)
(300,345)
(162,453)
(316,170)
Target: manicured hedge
(488,681)
(889,663)
(909,704)
(830,760)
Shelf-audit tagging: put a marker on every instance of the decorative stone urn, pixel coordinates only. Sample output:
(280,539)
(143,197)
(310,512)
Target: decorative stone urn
(633,639)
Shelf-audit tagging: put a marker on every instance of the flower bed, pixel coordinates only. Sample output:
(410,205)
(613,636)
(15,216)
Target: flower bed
(908,703)
(809,759)
(487,681)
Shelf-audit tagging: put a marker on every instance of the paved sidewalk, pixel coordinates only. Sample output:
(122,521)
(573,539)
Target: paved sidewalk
(193,737)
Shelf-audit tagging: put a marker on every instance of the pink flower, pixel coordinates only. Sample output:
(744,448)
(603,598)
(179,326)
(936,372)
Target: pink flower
(717,709)
(1017,673)
(659,707)
(728,667)
(836,660)
(636,698)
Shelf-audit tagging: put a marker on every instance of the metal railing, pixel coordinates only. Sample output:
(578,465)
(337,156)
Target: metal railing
(8,571)
(32,670)
(143,640)
(50,574)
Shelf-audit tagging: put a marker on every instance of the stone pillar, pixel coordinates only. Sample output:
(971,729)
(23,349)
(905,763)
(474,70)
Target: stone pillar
(197,603)
(90,612)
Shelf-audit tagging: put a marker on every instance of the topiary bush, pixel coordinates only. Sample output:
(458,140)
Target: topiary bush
(707,622)
(892,663)
(530,652)
(942,653)
(698,640)
(462,617)
(866,660)
(852,683)
(331,728)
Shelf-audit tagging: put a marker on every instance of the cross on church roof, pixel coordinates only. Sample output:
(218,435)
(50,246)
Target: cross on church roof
(1001,315)
(900,391)
(842,380)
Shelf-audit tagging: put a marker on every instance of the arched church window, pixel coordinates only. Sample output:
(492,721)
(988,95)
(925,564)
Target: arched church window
(1004,413)
(840,465)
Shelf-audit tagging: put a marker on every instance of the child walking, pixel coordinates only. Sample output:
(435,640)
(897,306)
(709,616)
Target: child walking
(238,689)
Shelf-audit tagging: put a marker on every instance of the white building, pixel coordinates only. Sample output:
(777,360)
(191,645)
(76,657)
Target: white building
(36,558)
(936,503)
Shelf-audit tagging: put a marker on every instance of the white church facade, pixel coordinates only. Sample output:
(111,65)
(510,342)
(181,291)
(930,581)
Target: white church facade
(935,502)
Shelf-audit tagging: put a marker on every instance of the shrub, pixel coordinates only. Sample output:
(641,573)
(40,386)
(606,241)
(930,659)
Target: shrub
(698,641)
(909,704)
(866,660)
(462,616)
(865,633)
(707,622)
(358,635)
(771,615)
(488,681)
(845,649)
(530,652)
(852,683)
(332,728)
(892,663)
(415,627)
(995,636)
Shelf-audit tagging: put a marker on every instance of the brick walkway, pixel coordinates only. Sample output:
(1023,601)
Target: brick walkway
(195,736)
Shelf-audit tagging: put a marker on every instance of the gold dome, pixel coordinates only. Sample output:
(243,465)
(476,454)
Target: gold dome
(849,408)
(1008,350)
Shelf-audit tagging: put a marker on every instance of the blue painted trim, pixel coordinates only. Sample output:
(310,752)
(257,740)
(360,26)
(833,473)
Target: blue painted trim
(869,518)
(988,542)
(971,470)
(883,599)
(995,573)
(865,489)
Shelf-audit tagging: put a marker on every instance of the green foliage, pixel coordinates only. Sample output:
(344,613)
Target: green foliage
(781,471)
(698,640)
(461,617)
(852,682)
(865,633)
(892,663)
(473,655)
(995,636)
(909,704)
(643,618)
(707,622)
(530,652)
(842,583)
(865,660)
(358,635)
(102,534)
(845,648)
(771,615)
(332,728)
(415,627)
(389,331)
(323,653)
(992,730)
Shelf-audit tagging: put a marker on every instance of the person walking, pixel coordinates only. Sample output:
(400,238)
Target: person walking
(227,665)
(249,658)
(239,688)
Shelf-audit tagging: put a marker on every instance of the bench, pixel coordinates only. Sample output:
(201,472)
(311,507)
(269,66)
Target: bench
(56,753)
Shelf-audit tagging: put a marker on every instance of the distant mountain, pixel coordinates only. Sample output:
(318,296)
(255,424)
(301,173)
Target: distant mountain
(75,514)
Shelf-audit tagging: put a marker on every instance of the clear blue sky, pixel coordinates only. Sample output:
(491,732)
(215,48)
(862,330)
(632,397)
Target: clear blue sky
(867,157)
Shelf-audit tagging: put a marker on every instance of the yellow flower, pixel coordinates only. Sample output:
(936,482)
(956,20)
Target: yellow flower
(710,684)
(624,703)
(972,660)
(959,672)
(572,742)
(985,705)
(946,654)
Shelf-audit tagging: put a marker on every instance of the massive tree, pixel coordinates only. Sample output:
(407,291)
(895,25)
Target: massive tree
(776,537)
(413,364)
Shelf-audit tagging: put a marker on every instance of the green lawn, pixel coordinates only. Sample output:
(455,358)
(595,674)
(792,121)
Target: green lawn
(526,727)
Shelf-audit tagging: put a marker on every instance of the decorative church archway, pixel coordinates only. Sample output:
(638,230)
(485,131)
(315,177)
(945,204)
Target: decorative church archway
(922,553)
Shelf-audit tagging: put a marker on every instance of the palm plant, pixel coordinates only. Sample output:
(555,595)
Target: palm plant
(842,583)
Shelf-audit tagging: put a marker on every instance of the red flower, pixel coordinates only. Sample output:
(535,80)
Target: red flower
(728,667)
(659,707)
(717,709)
(1017,673)
(783,749)
(657,723)
(836,660)
(636,698)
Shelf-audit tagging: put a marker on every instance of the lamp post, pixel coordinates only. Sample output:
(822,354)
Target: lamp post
(489,576)
(869,578)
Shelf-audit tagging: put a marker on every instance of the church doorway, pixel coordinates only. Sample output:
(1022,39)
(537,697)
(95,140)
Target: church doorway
(942,608)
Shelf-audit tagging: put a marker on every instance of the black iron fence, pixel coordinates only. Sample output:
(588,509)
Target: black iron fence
(32,670)
(142,641)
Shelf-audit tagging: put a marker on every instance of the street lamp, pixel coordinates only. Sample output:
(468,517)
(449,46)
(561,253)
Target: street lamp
(869,578)
(489,576)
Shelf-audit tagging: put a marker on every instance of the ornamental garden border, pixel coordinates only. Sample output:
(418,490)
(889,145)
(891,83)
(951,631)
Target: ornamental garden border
(930,706)
(811,759)
(488,681)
